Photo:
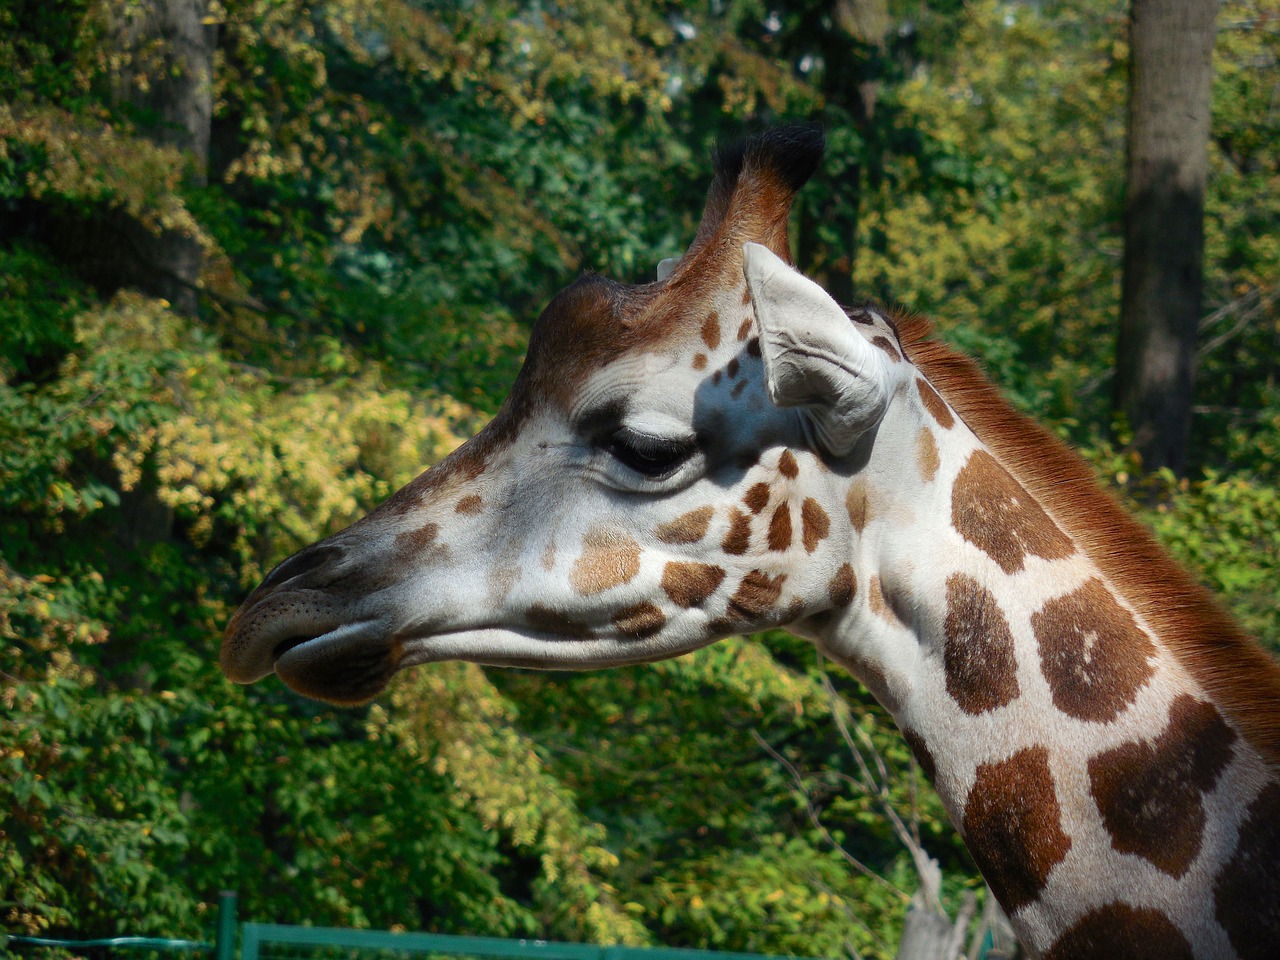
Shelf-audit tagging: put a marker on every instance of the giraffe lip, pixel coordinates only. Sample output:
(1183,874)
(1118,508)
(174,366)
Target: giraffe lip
(289,643)
(310,643)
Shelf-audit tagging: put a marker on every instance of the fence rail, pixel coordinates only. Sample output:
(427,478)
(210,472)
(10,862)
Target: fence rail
(263,941)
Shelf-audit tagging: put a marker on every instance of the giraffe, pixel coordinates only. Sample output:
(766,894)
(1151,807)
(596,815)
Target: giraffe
(726,450)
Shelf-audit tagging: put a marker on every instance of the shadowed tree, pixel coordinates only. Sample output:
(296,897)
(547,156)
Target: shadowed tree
(1171,75)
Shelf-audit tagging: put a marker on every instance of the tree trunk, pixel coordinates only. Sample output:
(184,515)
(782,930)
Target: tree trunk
(166,82)
(1171,77)
(166,79)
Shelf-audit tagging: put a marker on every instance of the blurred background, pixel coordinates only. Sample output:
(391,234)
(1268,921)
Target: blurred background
(263,261)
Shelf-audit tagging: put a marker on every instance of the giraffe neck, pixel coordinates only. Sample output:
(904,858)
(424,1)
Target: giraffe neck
(1099,787)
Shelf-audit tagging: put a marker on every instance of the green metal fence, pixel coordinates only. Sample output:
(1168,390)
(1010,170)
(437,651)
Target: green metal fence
(268,941)
(272,941)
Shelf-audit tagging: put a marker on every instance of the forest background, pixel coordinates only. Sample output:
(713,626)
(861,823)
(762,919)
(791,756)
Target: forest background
(386,195)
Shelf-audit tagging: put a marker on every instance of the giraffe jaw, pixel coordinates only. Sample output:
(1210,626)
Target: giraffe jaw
(352,663)
(536,650)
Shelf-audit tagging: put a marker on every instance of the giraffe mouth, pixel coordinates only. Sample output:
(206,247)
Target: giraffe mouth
(348,665)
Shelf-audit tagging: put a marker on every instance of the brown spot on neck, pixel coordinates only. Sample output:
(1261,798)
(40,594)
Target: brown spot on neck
(780,528)
(880,602)
(858,502)
(887,346)
(1092,653)
(843,586)
(609,559)
(757,498)
(699,361)
(744,330)
(981,668)
(1013,826)
(688,527)
(994,513)
(756,596)
(936,406)
(690,584)
(1247,891)
(920,750)
(470,504)
(711,330)
(1142,933)
(1149,794)
(927,454)
(738,537)
(787,465)
(814,524)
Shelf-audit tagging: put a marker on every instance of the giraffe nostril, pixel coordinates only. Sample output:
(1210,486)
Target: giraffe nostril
(304,561)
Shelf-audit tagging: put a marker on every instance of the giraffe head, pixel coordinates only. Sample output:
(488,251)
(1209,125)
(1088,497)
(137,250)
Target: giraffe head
(667,456)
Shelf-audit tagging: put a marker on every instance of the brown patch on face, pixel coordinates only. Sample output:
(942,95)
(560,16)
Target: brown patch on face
(858,502)
(642,620)
(1149,794)
(921,752)
(1012,826)
(699,361)
(753,346)
(880,603)
(738,537)
(780,528)
(687,528)
(814,524)
(994,513)
(757,498)
(731,368)
(982,671)
(843,586)
(887,346)
(711,330)
(689,584)
(501,580)
(471,505)
(609,559)
(546,620)
(744,330)
(410,543)
(927,454)
(936,406)
(1092,653)
(787,465)
(1101,933)
(1247,891)
(756,596)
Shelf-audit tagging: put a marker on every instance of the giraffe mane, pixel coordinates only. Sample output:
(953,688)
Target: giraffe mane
(1242,678)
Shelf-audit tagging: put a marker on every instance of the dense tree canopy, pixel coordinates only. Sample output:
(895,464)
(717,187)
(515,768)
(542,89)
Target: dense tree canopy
(393,190)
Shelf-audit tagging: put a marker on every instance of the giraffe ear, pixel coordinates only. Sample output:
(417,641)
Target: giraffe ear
(813,356)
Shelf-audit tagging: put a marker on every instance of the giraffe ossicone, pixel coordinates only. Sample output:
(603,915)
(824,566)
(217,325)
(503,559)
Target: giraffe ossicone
(726,449)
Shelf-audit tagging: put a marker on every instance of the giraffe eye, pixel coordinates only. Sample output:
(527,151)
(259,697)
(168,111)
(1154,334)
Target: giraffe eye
(652,457)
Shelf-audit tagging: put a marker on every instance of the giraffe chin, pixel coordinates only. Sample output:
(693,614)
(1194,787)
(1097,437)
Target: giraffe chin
(347,666)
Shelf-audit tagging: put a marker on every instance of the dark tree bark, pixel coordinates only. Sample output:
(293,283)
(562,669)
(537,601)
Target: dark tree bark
(167,82)
(1171,77)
